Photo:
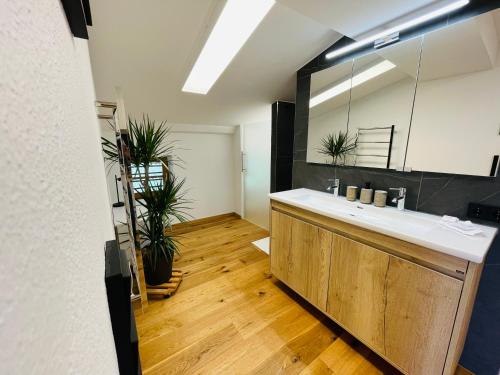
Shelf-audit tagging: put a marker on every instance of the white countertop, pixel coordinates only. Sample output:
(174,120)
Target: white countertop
(415,227)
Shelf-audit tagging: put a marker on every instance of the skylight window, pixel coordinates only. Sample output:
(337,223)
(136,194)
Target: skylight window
(236,23)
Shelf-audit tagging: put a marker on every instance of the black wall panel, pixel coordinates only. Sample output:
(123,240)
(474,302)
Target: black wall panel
(282,146)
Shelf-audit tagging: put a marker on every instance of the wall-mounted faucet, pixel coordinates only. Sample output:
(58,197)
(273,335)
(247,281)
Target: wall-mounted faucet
(400,199)
(334,186)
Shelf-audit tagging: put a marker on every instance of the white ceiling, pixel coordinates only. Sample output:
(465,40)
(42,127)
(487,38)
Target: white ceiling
(354,17)
(466,47)
(148,49)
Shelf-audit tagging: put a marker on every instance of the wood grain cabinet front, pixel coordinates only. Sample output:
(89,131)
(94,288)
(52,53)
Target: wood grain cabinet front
(403,311)
(356,292)
(301,257)
(421,305)
(413,316)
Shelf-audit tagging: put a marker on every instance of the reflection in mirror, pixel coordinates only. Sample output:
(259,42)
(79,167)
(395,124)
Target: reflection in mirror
(456,121)
(382,95)
(328,109)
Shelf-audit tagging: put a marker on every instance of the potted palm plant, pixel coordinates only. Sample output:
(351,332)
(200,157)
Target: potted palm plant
(163,198)
(337,146)
(163,204)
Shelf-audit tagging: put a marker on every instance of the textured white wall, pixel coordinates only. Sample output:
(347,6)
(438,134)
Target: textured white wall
(54,317)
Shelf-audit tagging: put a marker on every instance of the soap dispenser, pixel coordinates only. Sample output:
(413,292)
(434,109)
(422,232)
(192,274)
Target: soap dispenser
(366,194)
(334,187)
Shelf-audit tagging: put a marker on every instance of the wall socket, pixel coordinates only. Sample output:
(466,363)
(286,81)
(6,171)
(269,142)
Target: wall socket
(484,212)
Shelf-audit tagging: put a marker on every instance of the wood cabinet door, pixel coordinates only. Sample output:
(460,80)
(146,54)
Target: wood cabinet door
(421,305)
(403,311)
(300,257)
(281,236)
(356,294)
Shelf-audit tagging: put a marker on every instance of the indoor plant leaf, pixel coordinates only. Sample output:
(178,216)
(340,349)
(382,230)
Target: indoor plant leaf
(337,145)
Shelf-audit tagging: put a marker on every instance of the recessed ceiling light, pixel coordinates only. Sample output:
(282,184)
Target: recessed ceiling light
(357,80)
(236,23)
(396,29)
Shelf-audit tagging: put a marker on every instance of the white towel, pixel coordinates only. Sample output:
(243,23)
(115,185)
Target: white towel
(463,227)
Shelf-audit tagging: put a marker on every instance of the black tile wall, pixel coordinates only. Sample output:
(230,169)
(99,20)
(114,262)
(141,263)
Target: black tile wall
(301,118)
(315,176)
(439,194)
(283,174)
(435,193)
(283,118)
(450,194)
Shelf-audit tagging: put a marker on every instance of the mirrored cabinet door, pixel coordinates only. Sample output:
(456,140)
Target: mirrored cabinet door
(383,88)
(328,109)
(456,120)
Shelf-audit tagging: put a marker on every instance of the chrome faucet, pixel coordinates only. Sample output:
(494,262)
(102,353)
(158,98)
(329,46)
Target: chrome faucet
(334,187)
(400,199)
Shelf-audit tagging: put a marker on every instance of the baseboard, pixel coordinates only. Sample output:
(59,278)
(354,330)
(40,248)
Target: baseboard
(206,220)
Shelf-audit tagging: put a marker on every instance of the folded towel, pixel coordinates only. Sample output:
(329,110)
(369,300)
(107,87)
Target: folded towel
(449,219)
(463,227)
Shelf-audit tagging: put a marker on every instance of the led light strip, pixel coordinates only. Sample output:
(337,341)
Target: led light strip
(357,80)
(396,29)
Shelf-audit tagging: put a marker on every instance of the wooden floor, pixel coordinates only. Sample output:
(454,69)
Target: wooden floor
(230,317)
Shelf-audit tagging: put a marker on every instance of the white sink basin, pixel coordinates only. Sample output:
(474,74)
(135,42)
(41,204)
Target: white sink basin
(387,216)
(416,227)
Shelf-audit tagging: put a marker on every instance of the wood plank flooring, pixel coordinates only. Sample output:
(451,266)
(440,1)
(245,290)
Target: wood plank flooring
(230,316)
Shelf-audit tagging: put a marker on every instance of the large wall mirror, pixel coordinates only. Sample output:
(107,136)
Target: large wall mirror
(366,103)
(328,108)
(430,103)
(381,100)
(456,121)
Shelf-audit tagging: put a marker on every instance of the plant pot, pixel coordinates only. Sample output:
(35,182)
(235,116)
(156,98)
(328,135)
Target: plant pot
(159,274)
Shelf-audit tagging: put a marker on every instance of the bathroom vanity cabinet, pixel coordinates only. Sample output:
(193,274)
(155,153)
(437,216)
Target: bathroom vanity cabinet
(408,303)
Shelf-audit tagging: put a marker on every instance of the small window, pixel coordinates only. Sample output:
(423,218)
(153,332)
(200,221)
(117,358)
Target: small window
(155,176)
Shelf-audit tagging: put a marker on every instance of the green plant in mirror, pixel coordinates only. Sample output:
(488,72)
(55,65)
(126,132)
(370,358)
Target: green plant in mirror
(337,146)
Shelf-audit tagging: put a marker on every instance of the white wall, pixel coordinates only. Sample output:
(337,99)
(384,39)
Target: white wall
(54,317)
(456,124)
(320,126)
(257,176)
(208,166)
(386,107)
